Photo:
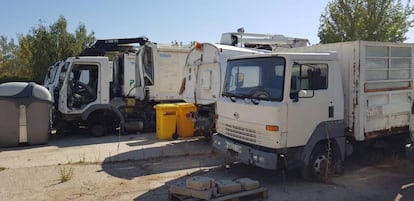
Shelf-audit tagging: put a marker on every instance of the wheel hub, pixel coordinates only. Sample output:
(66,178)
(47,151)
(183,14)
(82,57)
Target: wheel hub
(321,164)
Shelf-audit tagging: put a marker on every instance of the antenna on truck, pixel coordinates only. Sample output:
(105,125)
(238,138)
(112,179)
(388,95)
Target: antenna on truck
(101,47)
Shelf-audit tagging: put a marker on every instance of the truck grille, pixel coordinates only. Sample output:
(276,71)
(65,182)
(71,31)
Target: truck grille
(237,132)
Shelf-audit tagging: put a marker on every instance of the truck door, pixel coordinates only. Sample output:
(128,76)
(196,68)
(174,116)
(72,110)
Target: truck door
(80,88)
(202,83)
(144,72)
(203,74)
(310,101)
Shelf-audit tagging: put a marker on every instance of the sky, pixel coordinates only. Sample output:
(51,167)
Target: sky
(164,21)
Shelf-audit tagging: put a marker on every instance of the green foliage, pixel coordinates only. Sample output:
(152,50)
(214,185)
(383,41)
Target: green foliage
(40,48)
(372,20)
(7,56)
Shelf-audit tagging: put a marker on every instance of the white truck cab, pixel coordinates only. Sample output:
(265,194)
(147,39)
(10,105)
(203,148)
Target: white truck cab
(283,108)
(81,85)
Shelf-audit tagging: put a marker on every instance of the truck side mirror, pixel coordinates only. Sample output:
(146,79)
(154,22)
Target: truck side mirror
(306,93)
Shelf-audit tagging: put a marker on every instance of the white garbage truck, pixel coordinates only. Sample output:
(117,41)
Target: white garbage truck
(298,108)
(103,93)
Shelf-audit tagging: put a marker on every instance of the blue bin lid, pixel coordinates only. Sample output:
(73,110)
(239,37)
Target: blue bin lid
(27,90)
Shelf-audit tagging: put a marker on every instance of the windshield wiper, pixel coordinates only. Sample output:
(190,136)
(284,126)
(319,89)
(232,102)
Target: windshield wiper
(232,96)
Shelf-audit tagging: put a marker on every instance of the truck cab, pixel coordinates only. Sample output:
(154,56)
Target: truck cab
(283,110)
(81,85)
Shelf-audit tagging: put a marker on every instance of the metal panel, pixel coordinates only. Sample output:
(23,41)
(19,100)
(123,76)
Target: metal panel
(22,124)
(387,77)
(169,62)
(377,81)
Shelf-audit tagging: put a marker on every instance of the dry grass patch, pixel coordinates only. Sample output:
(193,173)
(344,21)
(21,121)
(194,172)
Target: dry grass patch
(65,174)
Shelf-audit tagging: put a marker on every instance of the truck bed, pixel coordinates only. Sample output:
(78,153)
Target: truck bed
(377,80)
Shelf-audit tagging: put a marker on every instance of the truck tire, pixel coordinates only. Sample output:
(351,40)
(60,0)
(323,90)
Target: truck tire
(97,129)
(102,122)
(322,164)
(96,124)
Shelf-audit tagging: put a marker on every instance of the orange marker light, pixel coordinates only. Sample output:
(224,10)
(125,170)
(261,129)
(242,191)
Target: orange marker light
(198,45)
(272,128)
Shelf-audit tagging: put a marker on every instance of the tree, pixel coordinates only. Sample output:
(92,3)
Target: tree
(54,43)
(7,57)
(372,20)
(43,46)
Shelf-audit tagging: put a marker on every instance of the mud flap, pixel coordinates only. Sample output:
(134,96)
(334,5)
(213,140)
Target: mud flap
(409,152)
(412,124)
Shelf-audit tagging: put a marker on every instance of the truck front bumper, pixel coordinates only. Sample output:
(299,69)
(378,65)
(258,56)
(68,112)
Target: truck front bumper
(244,153)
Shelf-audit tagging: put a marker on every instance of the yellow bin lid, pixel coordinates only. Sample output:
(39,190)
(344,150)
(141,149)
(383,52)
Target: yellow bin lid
(165,105)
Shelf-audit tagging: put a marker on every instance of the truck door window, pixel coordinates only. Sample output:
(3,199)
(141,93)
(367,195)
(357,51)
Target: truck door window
(148,64)
(308,77)
(82,85)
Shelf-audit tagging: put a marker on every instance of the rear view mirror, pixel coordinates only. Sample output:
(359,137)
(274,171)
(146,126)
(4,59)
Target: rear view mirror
(306,93)
(240,79)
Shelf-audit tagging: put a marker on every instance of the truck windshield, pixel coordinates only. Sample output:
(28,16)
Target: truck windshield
(51,73)
(258,78)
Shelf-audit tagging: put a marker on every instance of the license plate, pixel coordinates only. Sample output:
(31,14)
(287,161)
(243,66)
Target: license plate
(234,147)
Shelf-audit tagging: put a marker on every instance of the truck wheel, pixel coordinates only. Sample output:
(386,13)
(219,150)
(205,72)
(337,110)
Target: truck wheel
(96,124)
(322,163)
(98,130)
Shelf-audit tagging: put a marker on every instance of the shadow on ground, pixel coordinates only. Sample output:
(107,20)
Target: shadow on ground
(136,163)
(81,138)
(387,177)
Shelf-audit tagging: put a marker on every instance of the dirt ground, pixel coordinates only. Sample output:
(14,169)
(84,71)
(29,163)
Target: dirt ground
(371,177)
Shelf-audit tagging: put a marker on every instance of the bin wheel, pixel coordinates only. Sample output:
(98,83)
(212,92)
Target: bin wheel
(175,136)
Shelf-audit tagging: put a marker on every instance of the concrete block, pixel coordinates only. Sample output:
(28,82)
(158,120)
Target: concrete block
(200,183)
(248,184)
(180,188)
(228,186)
(204,195)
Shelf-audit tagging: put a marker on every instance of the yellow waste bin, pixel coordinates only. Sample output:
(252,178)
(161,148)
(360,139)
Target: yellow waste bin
(166,121)
(185,126)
